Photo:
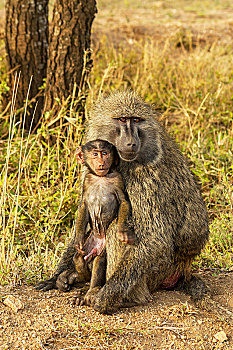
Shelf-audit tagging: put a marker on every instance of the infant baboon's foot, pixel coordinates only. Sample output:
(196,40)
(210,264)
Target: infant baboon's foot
(79,298)
(66,279)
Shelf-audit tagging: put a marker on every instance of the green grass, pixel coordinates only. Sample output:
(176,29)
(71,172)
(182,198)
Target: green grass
(218,253)
(39,195)
(191,85)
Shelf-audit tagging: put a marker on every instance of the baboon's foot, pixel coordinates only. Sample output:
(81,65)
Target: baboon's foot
(195,287)
(66,279)
(47,284)
(201,295)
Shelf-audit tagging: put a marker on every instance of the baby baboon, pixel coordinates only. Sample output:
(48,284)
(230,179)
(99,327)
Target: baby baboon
(168,214)
(103,200)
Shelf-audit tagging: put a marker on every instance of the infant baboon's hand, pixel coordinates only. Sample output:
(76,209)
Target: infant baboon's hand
(79,248)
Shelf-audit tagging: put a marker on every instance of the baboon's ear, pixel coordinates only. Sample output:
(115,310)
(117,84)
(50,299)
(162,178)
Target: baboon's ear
(79,155)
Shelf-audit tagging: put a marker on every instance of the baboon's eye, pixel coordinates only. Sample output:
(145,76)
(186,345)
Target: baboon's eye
(122,119)
(136,120)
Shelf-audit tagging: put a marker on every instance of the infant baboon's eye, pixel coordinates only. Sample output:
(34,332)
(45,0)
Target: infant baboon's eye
(122,119)
(136,120)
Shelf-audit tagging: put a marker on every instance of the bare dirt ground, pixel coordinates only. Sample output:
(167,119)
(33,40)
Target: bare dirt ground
(170,321)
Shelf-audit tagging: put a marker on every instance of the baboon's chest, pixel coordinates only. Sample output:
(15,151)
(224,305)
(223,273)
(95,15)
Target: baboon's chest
(102,204)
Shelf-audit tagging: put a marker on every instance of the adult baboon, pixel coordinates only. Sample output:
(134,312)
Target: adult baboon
(168,214)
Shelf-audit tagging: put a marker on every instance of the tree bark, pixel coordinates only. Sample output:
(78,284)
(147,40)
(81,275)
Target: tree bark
(69,51)
(26,41)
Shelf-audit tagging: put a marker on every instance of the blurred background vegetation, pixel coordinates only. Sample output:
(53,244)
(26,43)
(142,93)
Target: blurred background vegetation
(178,56)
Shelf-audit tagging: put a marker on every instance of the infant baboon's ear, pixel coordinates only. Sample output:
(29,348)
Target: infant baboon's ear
(117,158)
(79,155)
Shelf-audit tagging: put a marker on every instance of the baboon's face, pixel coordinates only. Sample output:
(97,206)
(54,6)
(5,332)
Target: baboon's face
(127,140)
(127,122)
(99,161)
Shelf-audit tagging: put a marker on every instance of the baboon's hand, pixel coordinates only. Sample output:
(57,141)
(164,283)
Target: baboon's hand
(66,279)
(89,298)
(105,302)
(127,237)
(47,284)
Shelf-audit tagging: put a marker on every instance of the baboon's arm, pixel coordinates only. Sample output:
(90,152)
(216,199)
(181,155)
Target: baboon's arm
(125,233)
(81,224)
(124,205)
(123,215)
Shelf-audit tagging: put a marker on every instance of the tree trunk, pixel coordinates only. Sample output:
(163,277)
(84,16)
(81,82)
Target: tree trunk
(69,51)
(26,40)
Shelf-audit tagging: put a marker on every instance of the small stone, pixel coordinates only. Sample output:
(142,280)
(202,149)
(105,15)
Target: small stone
(14,303)
(220,336)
